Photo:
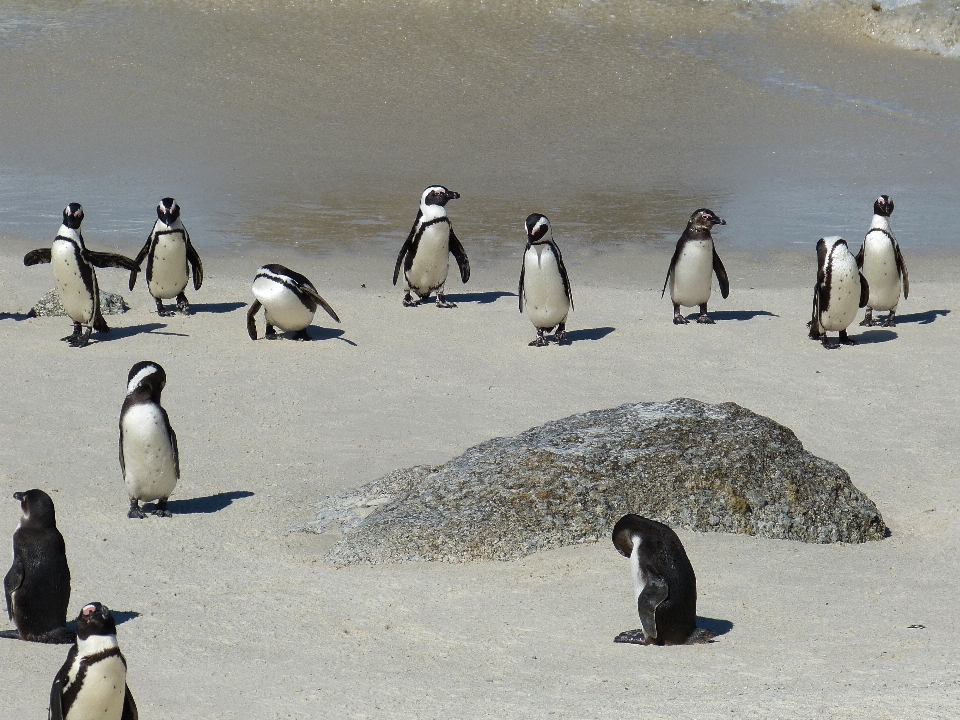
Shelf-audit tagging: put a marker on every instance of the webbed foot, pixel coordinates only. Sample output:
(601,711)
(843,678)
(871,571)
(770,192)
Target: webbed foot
(408,300)
(890,321)
(81,340)
(846,339)
(183,305)
(161,311)
(270,333)
(633,637)
(539,341)
(302,336)
(560,336)
(74,336)
(161,509)
(135,513)
(706,320)
(442,301)
(678,318)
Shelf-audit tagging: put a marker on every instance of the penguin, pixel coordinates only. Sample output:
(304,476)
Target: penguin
(691,265)
(149,457)
(93,681)
(75,277)
(289,302)
(664,583)
(882,265)
(168,251)
(424,255)
(840,290)
(543,282)
(37,586)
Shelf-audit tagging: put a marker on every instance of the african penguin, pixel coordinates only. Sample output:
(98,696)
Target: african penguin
(289,302)
(664,584)
(882,264)
(839,291)
(92,684)
(424,255)
(75,277)
(37,586)
(168,251)
(149,458)
(544,285)
(691,266)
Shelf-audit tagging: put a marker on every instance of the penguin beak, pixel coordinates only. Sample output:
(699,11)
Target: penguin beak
(18,496)
(719,221)
(451,195)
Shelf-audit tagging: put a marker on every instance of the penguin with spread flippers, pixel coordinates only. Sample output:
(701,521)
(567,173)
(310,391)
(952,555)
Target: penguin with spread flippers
(289,302)
(840,290)
(881,263)
(692,266)
(544,286)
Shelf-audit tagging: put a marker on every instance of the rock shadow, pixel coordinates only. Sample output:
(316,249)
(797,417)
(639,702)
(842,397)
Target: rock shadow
(589,333)
(869,337)
(481,298)
(202,505)
(922,318)
(723,315)
(715,625)
(216,308)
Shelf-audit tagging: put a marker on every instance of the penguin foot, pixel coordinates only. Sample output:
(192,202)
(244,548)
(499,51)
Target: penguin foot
(183,305)
(699,636)
(135,513)
(74,336)
(442,302)
(560,336)
(270,333)
(302,336)
(81,340)
(705,320)
(844,340)
(680,320)
(408,301)
(540,341)
(633,637)
(867,322)
(889,322)
(165,313)
(830,345)
(162,512)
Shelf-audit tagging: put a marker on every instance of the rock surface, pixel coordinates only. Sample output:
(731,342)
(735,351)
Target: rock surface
(50,305)
(685,463)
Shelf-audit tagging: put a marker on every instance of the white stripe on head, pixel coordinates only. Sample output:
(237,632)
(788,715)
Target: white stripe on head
(140,377)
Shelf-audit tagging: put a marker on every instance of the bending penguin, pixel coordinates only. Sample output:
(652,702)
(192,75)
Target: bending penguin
(168,251)
(544,284)
(840,290)
(691,267)
(425,253)
(664,583)
(149,457)
(75,277)
(37,586)
(289,302)
(93,681)
(882,265)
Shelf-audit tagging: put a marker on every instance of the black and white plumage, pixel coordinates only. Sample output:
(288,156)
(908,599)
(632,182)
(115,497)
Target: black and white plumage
(882,264)
(37,586)
(425,253)
(92,684)
(76,280)
(149,456)
(170,256)
(840,290)
(289,302)
(691,268)
(544,285)
(665,584)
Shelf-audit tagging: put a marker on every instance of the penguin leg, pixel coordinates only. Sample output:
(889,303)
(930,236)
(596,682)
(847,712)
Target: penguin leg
(560,336)
(76,334)
(82,340)
(678,318)
(183,305)
(160,311)
(302,335)
(540,341)
(408,300)
(270,333)
(704,319)
(135,512)
(846,339)
(891,320)
(161,509)
(868,318)
(442,301)
(828,344)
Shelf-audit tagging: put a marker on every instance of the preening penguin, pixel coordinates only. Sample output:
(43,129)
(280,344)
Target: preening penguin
(664,583)
(168,251)
(691,267)
(425,253)
(289,302)
(544,284)
(75,277)
(37,586)
(839,291)
(149,457)
(882,264)
(93,681)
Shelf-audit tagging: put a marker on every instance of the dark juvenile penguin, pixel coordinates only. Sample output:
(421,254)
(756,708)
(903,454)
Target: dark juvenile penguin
(37,586)
(882,265)
(73,272)
(691,267)
(92,684)
(149,458)
(425,253)
(544,286)
(289,302)
(840,290)
(168,251)
(664,582)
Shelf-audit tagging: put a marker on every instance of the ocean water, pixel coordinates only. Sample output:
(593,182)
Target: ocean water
(318,124)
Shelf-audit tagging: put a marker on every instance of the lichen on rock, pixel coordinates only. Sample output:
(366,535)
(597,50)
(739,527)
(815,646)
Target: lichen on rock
(50,306)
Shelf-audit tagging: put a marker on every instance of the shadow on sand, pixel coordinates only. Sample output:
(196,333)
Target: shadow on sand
(482,298)
(119,333)
(922,318)
(202,505)
(14,316)
(588,334)
(322,333)
(718,627)
(869,337)
(722,315)
(216,308)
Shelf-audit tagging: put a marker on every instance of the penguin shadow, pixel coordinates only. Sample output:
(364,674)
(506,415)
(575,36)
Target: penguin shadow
(15,316)
(723,315)
(588,334)
(202,505)
(923,318)
(216,308)
(322,333)
(119,333)
(716,626)
(481,298)
(869,337)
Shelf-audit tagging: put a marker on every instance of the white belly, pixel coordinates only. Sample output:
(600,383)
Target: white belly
(844,293)
(429,268)
(150,470)
(168,272)
(880,270)
(281,305)
(545,298)
(690,280)
(102,694)
(78,300)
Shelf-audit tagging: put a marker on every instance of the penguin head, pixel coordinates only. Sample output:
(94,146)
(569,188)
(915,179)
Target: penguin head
(437,195)
(73,216)
(95,619)
(37,509)
(627,528)
(704,219)
(147,374)
(538,228)
(168,211)
(883,206)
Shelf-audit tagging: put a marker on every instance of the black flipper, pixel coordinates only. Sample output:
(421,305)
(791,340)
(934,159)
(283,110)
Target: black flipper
(902,268)
(563,273)
(129,706)
(456,247)
(141,256)
(523,271)
(173,442)
(59,681)
(105,260)
(252,319)
(673,263)
(11,581)
(859,255)
(721,273)
(653,593)
(864,291)
(38,257)
(193,257)
(312,292)
(406,247)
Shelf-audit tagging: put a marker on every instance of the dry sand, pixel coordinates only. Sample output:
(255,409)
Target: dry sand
(228,615)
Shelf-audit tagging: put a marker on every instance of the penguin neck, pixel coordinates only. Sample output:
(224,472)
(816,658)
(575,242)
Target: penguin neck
(71,234)
(432,212)
(94,644)
(880,222)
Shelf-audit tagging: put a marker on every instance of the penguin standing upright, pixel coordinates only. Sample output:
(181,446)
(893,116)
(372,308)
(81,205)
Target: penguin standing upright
(839,291)
(425,253)
(37,586)
(75,277)
(167,251)
(544,284)
(149,458)
(691,267)
(882,264)
(664,583)
(92,684)
(289,302)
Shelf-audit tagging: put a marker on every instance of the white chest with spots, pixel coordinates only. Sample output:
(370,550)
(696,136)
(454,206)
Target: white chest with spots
(544,295)
(428,270)
(880,270)
(150,467)
(690,281)
(104,686)
(168,265)
(78,299)
(281,305)
(844,282)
